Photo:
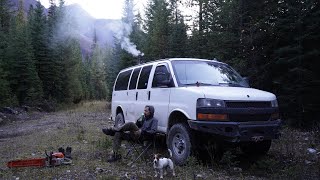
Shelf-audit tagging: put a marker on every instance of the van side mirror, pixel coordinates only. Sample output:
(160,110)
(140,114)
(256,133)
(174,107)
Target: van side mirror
(245,81)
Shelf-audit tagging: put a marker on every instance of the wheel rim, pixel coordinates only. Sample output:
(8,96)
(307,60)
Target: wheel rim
(119,121)
(179,144)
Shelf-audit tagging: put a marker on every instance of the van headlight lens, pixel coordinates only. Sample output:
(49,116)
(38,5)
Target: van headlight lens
(204,102)
(274,103)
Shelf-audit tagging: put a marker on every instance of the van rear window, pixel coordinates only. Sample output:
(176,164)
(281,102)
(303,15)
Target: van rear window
(123,80)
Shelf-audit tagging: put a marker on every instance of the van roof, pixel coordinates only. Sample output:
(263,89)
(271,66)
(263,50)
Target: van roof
(171,59)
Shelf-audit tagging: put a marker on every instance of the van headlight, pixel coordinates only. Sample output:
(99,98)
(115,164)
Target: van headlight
(204,102)
(274,103)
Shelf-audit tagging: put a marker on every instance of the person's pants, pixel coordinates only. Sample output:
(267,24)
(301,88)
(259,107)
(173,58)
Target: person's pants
(130,126)
(121,134)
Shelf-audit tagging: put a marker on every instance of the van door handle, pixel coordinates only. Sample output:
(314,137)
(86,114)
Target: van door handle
(149,94)
(136,95)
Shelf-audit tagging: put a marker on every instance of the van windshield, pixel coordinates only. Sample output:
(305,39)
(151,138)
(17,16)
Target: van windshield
(206,73)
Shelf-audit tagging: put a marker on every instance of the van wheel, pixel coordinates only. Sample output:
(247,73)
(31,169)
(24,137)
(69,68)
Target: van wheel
(179,142)
(256,148)
(119,120)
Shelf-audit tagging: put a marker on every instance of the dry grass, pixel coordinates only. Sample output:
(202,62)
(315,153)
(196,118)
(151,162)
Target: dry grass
(88,107)
(80,128)
(289,156)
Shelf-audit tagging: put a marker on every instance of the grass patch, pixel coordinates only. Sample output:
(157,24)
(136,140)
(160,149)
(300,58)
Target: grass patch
(88,106)
(288,157)
(80,127)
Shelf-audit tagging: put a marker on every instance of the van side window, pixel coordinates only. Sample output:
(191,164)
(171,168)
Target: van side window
(144,77)
(122,81)
(161,73)
(134,78)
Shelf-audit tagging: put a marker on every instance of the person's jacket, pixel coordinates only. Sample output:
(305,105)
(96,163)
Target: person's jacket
(148,125)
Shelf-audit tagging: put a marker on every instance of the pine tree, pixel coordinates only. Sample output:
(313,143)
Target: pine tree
(254,37)
(24,80)
(72,60)
(54,77)
(66,57)
(157,28)
(296,76)
(4,88)
(5,15)
(6,97)
(178,32)
(137,36)
(44,63)
(98,84)
(198,43)
(85,77)
(52,17)
(112,67)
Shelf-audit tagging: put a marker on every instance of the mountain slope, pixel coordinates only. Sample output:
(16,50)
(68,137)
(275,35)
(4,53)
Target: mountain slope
(84,26)
(26,4)
(79,24)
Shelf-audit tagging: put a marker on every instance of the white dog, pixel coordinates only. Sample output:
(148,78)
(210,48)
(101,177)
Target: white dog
(161,164)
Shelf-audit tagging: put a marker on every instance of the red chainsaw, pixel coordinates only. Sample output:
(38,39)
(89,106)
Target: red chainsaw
(53,159)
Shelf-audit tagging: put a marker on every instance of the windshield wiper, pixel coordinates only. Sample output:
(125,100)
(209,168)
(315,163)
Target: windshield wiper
(199,84)
(231,84)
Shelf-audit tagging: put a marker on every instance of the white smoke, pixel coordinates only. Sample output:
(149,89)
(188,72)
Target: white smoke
(122,32)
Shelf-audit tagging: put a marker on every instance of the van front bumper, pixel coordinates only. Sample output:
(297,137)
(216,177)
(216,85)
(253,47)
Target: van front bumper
(239,131)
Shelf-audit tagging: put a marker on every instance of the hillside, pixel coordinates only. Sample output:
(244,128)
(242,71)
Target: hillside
(83,25)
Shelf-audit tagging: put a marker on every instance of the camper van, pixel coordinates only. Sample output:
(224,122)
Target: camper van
(197,102)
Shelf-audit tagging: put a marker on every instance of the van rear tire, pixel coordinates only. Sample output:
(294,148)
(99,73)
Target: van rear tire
(179,142)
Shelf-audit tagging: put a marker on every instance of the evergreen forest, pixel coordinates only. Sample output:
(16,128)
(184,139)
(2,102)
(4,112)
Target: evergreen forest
(273,43)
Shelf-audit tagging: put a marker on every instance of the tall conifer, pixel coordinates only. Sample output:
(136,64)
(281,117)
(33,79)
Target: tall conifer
(157,27)
(24,80)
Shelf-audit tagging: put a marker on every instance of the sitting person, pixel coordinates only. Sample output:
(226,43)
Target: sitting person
(143,129)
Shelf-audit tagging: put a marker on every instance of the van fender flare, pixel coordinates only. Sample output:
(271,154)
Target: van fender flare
(121,108)
(181,111)
(177,110)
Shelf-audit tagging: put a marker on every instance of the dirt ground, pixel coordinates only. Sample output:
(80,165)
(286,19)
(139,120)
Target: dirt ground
(80,128)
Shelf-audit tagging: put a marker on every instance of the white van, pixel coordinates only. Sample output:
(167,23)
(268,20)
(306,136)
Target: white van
(197,101)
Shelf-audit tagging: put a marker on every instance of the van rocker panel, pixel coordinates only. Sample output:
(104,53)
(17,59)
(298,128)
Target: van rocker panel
(238,131)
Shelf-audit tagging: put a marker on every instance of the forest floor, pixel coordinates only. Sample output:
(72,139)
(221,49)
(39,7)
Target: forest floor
(294,156)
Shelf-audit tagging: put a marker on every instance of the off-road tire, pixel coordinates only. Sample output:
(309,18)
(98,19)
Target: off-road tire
(180,143)
(256,148)
(118,120)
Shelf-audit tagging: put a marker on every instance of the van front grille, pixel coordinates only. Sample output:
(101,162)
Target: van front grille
(248,104)
(248,117)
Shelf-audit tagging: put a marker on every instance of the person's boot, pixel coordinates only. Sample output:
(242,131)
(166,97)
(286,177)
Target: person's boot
(68,152)
(61,149)
(114,157)
(108,131)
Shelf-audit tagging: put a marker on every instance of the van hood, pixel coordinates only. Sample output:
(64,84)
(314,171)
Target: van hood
(234,93)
